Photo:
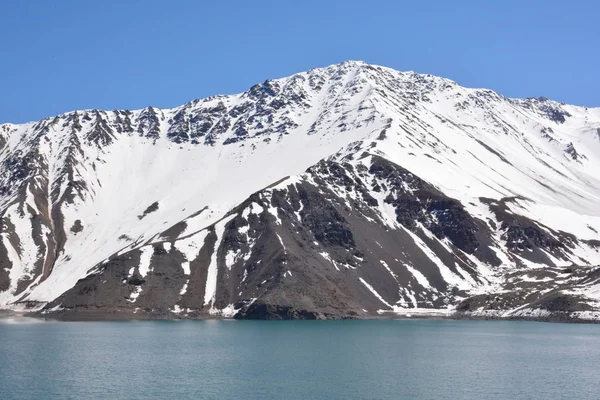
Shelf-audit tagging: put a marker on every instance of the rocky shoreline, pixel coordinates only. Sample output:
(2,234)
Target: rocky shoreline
(272,312)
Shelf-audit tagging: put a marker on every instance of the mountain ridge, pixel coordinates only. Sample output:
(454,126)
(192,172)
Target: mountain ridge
(348,62)
(188,167)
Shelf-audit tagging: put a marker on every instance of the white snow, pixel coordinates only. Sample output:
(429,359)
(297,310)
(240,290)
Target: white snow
(211,279)
(177,310)
(145,257)
(389,270)
(420,278)
(449,276)
(419,312)
(230,258)
(183,289)
(275,213)
(280,241)
(326,256)
(469,143)
(372,290)
(134,295)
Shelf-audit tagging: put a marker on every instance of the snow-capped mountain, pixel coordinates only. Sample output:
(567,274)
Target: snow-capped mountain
(343,192)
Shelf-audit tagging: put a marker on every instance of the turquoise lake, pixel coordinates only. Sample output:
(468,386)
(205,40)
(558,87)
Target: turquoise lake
(383,359)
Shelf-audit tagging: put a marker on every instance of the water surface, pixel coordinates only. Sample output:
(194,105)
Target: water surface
(388,359)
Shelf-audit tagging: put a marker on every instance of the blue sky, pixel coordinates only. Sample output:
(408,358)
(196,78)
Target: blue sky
(57,56)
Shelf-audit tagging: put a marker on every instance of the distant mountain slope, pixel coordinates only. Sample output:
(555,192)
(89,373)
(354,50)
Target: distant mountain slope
(342,192)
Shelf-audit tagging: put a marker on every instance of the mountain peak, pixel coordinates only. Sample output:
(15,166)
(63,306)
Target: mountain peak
(405,189)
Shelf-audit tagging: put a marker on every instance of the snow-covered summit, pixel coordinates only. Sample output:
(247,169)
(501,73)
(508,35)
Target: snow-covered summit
(85,186)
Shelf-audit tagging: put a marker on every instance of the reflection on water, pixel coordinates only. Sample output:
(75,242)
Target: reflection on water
(13,320)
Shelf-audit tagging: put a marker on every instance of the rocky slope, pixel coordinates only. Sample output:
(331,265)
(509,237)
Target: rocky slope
(352,191)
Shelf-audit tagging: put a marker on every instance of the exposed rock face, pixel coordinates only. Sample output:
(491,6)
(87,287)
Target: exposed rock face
(352,191)
(549,294)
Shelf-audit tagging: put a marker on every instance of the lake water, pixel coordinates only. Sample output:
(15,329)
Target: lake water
(391,359)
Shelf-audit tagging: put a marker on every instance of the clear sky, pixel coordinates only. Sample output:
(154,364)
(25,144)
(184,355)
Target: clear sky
(61,55)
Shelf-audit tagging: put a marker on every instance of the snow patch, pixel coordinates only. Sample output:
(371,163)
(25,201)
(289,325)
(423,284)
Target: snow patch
(211,278)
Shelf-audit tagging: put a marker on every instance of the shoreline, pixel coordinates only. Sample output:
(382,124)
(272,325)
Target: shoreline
(115,316)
